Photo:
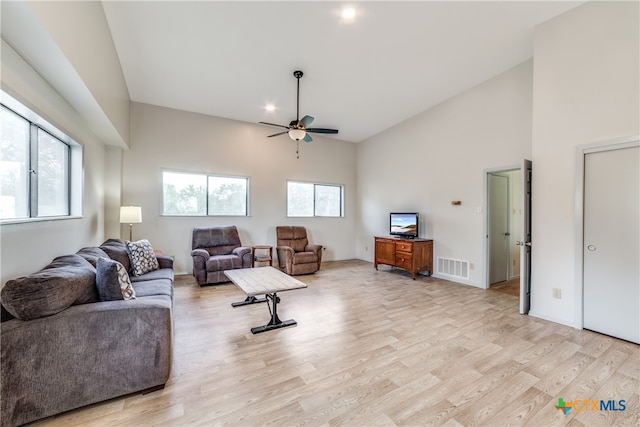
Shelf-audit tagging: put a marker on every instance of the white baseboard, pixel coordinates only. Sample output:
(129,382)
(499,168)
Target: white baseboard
(553,319)
(453,279)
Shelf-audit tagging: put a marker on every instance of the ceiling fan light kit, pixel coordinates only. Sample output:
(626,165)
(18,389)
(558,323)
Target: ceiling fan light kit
(297,129)
(297,134)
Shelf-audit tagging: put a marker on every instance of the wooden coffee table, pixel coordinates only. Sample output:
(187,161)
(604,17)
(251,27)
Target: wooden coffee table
(267,281)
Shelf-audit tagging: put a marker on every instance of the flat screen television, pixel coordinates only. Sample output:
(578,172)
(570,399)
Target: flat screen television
(404,224)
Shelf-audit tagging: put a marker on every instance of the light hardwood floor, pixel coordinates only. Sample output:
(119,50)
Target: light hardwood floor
(376,348)
(511,287)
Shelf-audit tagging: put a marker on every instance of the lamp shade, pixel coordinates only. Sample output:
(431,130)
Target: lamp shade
(130,214)
(297,134)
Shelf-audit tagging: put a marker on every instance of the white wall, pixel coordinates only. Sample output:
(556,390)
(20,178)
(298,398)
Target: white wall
(586,90)
(441,155)
(172,139)
(69,44)
(113,191)
(25,248)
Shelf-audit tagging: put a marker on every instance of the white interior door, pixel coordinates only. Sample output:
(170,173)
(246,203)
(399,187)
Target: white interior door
(498,189)
(611,271)
(525,243)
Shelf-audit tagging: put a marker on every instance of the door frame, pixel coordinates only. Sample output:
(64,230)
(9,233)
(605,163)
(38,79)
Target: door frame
(485,219)
(581,152)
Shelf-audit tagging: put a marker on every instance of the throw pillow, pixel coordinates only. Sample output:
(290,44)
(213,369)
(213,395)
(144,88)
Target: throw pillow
(113,281)
(142,258)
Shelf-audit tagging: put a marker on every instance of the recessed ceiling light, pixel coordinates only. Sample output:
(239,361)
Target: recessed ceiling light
(348,14)
(270,107)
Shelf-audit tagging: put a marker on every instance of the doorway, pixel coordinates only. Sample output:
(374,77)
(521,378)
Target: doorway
(498,217)
(503,229)
(519,231)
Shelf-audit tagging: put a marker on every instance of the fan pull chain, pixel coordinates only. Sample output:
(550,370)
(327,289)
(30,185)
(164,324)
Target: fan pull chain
(298,149)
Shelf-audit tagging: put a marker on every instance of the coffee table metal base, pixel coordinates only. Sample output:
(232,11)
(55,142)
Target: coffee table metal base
(248,300)
(275,322)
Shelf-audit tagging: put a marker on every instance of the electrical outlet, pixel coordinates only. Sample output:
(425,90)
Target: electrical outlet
(557,293)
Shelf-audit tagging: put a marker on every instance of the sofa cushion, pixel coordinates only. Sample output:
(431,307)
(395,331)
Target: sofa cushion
(67,280)
(112,281)
(219,240)
(304,257)
(224,262)
(161,273)
(165,261)
(293,236)
(92,254)
(117,250)
(143,259)
(149,288)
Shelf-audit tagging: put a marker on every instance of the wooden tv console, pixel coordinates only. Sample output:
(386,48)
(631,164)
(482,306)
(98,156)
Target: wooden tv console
(412,255)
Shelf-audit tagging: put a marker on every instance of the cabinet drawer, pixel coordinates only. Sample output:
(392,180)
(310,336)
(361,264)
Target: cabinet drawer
(404,260)
(404,247)
(382,240)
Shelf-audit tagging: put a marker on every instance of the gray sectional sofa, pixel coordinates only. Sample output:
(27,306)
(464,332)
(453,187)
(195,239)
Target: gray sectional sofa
(63,358)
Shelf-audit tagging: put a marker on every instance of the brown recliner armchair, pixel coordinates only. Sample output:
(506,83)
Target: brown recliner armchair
(215,249)
(295,254)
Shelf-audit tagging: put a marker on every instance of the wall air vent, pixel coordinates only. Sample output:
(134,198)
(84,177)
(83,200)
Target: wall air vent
(454,268)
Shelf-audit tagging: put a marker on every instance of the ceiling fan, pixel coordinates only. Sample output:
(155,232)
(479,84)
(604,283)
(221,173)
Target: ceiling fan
(297,129)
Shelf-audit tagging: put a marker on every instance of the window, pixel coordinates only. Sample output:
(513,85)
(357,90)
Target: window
(52,175)
(36,166)
(309,199)
(227,196)
(200,194)
(184,194)
(14,165)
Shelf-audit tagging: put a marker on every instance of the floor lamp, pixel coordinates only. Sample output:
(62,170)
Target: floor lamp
(130,215)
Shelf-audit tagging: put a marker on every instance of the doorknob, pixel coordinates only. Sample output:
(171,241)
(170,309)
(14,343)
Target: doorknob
(591,248)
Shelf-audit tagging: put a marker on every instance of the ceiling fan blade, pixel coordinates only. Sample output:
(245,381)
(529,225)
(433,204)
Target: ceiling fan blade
(305,121)
(277,134)
(322,130)
(273,124)
(307,138)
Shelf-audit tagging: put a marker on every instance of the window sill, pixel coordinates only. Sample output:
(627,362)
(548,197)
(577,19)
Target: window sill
(202,216)
(43,219)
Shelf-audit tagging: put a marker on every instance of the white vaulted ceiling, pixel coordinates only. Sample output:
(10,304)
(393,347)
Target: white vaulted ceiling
(397,59)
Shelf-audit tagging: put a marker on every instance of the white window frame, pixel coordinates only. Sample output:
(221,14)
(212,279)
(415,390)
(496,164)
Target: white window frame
(315,186)
(73,164)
